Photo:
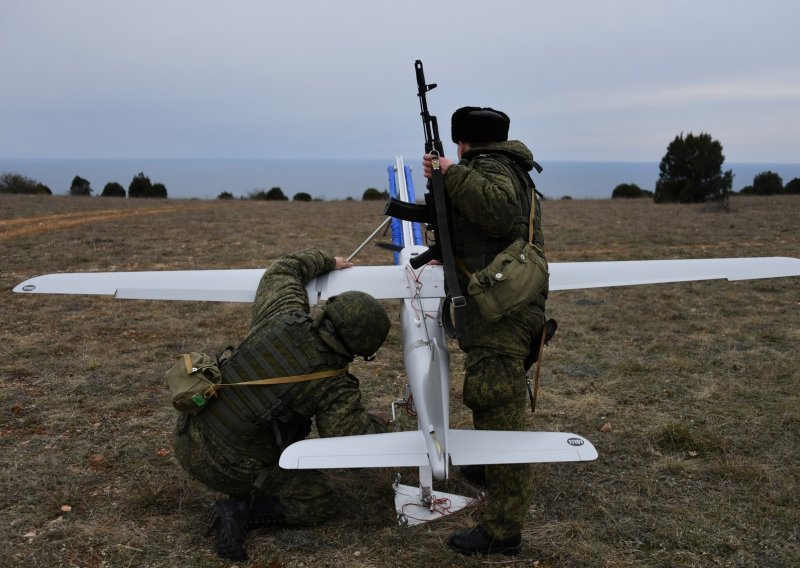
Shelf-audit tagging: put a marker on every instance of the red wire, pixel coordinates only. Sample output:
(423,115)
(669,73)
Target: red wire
(440,506)
(417,287)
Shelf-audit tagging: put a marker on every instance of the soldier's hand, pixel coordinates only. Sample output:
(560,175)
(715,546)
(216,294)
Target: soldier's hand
(342,262)
(427,166)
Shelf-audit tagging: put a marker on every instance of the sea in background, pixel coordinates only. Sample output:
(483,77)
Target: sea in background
(338,179)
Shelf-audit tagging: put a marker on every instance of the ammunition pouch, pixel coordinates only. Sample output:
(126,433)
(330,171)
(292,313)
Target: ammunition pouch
(192,381)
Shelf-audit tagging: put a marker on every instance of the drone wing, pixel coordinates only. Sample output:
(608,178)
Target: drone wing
(240,285)
(385,282)
(198,285)
(576,275)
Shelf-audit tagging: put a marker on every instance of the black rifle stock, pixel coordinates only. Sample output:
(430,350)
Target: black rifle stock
(436,212)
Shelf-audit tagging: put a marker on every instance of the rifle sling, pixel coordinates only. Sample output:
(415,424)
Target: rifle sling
(212,390)
(535,395)
(443,238)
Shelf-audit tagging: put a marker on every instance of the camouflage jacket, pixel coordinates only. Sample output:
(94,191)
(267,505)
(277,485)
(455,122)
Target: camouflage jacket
(281,342)
(490,190)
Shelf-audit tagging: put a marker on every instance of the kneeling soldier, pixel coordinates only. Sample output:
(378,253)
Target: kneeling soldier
(234,444)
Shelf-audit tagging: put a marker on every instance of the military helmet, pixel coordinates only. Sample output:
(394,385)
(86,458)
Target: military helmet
(360,321)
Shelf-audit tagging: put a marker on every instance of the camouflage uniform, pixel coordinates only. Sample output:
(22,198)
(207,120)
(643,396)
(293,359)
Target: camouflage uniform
(282,340)
(490,193)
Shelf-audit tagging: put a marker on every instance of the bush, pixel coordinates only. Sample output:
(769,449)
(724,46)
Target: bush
(274,194)
(767,183)
(629,191)
(80,186)
(372,194)
(691,171)
(16,183)
(140,186)
(793,186)
(225,195)
(302,196)
(159,190)
(113,189)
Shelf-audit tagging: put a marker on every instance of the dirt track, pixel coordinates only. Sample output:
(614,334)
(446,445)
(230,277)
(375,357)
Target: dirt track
(25,226)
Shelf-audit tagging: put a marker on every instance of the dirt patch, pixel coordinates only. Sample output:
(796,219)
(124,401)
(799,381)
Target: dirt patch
(18,227)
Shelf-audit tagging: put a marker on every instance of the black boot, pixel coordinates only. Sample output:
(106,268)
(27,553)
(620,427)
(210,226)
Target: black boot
(228,518)
(265,512)
(477,541)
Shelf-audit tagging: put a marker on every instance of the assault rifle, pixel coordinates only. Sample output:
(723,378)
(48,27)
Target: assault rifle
(435,213)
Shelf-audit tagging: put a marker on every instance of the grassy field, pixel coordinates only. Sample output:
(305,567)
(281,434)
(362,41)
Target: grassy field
(689,392)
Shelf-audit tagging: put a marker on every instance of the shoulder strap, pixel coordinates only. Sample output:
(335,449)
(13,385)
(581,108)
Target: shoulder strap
(212,390)
(533,213)
(525,180)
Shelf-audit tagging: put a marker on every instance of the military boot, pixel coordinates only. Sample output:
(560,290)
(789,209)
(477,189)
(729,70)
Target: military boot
(228,518)
(477,541)
(265,512)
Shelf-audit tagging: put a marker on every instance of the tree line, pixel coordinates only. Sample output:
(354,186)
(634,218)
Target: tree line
(276,194)
(140,186)
(691,172)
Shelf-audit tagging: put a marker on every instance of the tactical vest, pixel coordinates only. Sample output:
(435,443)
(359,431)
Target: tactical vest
(242,416)
(480,248)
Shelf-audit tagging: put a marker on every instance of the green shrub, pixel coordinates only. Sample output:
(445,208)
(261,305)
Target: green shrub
(792,186)
(372,194)
(80,186)
(629,191)
(16,183)
(691,171)
(113,189)
(274,194)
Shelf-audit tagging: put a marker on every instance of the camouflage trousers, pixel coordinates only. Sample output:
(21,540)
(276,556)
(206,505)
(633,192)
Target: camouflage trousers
(307,496)
(496,392)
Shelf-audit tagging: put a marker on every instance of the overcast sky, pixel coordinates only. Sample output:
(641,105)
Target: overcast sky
(581,80)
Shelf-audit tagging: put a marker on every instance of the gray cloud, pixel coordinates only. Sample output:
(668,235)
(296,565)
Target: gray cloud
(584,81)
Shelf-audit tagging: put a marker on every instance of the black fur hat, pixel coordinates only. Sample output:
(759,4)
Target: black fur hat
(476,124)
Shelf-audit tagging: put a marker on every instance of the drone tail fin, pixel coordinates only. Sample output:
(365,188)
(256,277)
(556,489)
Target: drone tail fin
(393,449)
(469,447)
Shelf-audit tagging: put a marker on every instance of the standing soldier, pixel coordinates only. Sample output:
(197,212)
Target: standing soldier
(234,443)
(491,194)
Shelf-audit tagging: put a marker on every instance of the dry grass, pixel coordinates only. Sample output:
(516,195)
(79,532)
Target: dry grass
(689,391)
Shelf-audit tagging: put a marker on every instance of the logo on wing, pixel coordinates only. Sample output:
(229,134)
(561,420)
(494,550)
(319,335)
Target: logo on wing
(575,441)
